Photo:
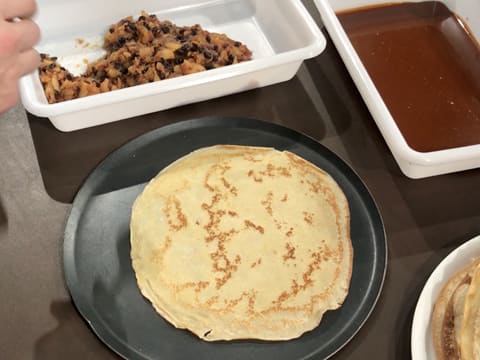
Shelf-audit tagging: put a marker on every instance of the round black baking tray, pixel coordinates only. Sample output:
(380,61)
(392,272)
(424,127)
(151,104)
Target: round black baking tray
(97,263)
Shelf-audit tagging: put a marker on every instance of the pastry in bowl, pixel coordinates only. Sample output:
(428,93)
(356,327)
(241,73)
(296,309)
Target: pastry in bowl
(456,316)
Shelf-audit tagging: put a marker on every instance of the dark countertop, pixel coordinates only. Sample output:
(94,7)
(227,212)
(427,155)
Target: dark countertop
(43,168)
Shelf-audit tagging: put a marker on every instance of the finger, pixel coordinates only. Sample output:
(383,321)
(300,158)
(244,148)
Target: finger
(27,34)
(28,61)
(17,37)
(17,8)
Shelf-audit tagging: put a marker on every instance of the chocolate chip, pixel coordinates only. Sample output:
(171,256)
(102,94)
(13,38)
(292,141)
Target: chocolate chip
(194,47)
(208,38)
(165,29)
(129,27)
(183,51)
(120,67)
(230,60)
(119,43)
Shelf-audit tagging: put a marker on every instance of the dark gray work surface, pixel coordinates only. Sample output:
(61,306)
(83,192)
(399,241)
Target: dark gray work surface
(43,168)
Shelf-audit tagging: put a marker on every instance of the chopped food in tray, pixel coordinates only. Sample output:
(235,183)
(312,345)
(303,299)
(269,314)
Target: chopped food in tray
(140,52)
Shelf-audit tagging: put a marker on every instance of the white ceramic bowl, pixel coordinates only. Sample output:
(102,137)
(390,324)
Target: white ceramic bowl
(421,342)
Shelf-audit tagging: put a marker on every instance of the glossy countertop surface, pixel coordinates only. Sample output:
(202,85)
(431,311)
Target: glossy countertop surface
(42,169)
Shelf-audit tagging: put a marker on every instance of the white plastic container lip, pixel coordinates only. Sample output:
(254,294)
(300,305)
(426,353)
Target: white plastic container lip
(413,164)
(281,34)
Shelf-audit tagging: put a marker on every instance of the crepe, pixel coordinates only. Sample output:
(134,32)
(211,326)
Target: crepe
(470,334)
(236,242)
(450,313)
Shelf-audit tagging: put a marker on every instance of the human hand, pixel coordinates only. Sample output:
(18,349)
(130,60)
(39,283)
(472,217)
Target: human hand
(18,35)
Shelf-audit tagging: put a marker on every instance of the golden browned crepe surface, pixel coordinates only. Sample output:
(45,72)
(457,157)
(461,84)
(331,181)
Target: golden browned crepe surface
(235,242)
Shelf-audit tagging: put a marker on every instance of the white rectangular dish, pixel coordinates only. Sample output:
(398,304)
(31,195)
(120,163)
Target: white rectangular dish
(280,33)
(413,164)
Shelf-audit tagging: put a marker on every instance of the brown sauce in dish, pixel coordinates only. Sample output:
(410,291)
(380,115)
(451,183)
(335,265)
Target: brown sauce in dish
(426,66)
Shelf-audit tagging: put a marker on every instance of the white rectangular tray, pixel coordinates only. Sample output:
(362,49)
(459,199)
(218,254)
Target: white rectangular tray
(413,164)
(281,34)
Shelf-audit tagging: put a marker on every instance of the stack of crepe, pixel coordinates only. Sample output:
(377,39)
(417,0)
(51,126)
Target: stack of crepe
(234,242)
(456,316)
